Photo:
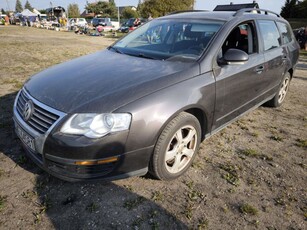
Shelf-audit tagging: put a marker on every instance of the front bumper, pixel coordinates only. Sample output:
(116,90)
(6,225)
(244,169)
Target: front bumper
(57,153)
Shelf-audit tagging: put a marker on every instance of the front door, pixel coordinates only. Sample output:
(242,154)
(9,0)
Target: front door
(238,86)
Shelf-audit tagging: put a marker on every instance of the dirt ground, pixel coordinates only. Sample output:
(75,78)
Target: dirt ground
(251,175)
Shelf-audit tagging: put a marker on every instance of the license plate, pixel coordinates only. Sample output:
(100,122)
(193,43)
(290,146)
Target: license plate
(25,138)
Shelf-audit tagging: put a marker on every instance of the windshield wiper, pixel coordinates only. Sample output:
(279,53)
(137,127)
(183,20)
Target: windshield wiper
(145,56)
(115,49)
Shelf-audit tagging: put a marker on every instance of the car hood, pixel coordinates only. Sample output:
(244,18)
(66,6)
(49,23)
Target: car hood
(104,81)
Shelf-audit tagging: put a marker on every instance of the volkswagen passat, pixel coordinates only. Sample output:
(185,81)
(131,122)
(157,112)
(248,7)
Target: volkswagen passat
(146,102)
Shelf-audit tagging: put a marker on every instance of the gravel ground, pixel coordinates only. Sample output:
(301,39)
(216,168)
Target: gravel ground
(251,175)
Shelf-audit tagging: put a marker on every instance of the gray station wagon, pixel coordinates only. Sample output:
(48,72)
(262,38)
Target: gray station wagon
(145,103)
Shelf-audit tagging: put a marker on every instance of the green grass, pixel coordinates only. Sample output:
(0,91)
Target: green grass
(92,207)
(248,209)
(254,154)
(157,196)
(303,53)
(231,175)
(301,143)
(276,138)
(133,203)
(202,224)
(249,152)
(2,202)
(1,172)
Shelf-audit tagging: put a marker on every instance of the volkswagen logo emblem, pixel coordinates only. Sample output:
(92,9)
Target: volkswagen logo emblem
(28,110)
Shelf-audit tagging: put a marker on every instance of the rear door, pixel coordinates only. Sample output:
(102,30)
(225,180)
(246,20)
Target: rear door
(274,54)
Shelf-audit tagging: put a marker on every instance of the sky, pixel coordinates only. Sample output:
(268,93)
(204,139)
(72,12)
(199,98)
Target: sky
(273,5)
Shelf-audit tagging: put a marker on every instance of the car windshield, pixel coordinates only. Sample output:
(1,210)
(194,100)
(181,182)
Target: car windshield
(169,39)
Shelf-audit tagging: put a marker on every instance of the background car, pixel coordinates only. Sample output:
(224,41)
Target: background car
(97,21)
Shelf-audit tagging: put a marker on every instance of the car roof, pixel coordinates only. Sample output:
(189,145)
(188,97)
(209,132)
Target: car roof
(225,15)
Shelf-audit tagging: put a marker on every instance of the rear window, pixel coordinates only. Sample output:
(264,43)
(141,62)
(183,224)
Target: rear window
(270,34)
(285,31)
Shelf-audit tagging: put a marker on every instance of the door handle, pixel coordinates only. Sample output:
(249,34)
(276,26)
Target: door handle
(259,69)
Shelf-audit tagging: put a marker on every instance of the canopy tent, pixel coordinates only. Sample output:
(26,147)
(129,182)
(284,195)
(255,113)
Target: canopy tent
(27,13)
(35,11)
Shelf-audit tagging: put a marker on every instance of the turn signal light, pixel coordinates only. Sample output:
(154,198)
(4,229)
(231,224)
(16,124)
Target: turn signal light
(99,162)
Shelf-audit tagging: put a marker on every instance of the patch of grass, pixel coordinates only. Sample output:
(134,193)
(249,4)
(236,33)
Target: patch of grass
(248,209)
(276,138)
(188,211)
(195,195)
(28,194)
(44,205)
(231,175)
(303,53)
(1,172)
(37,217)
(22,159)
(202,224)
(253,153)
(285,199)
(17,84)
(92,207)
(189,184)
(2,202)
(157,196)
(249,152)
(301,143)
(136,224)
(133,203)
(198,165)
(225,208)
(128,187)
(242,125)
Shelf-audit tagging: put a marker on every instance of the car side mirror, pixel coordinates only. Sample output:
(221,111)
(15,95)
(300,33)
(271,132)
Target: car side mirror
(235,56)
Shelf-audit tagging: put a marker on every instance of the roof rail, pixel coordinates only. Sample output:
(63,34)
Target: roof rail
(187,11)
(242,11)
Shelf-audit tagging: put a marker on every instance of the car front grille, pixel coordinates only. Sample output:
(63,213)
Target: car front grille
(41,119)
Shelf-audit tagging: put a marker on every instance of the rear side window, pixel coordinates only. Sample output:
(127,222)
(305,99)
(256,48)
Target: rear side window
(286,34)
(270,34)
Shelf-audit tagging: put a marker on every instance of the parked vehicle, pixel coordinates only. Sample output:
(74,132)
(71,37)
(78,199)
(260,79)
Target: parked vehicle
(131,24)
(100,21)
(146,102)
(80,22)
(106,26)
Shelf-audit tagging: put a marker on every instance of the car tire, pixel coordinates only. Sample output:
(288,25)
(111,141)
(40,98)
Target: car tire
(280,96)
(176,147)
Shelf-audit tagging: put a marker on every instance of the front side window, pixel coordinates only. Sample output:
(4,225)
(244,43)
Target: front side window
(270,34)
(242,37)
(169,38)
(286,34)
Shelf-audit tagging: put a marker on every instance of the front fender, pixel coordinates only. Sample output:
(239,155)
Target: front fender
(152,112)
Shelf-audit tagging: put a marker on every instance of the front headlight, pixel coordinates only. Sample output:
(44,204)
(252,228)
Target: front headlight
(94,125)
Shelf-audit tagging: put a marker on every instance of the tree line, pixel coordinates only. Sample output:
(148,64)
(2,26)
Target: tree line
(294,9)
(153,8)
